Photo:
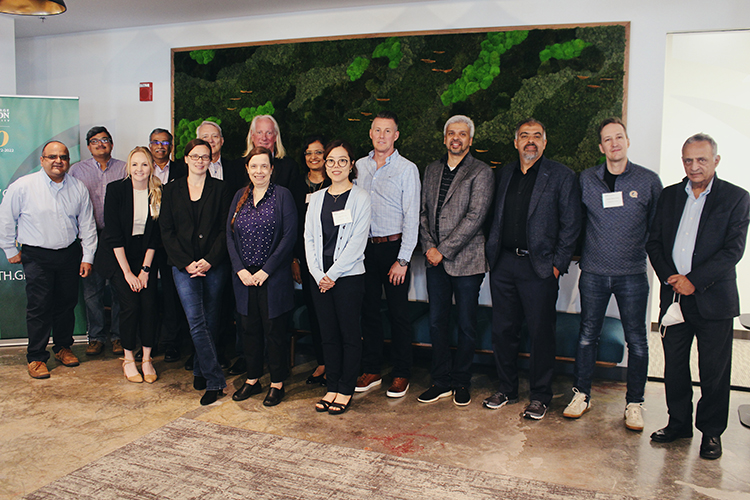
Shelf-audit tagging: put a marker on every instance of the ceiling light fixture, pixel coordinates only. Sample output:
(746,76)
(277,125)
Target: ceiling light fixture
(32,7)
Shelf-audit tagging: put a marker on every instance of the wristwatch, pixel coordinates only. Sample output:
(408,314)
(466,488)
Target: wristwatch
(403,262)
(146,269)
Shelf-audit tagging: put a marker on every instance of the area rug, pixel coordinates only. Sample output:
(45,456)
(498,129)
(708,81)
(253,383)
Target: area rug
(190,459)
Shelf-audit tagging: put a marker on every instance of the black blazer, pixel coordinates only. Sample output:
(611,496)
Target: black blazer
(553,221)
(118,230)
(177,170)
(178,226)
(719,245)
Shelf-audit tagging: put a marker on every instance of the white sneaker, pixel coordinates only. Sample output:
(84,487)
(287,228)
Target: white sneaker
(580,404)
(634,417)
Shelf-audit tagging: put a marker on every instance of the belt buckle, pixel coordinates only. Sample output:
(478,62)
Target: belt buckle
(522,253)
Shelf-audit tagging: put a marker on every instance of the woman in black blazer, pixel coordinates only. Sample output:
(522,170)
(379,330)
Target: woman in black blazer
(193,221)
(127,247)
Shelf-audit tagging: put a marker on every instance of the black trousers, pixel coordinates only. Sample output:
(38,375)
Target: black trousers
(260,333)
(173,324)
(338,314)
(308,287)
(378,261)
(518,294)
(714,364)
(52,295)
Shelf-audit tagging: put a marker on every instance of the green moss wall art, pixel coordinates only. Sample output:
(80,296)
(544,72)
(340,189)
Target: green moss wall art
(568,77)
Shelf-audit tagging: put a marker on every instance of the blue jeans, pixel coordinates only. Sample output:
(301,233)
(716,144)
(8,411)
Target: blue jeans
(93,298)
(631,293)
(442,287)
(201,300)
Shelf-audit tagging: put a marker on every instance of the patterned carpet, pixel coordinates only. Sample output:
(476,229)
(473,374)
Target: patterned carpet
(190,459)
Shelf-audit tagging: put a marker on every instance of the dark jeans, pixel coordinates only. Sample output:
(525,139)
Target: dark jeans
(338,314)
(378,261)
(714,364)
(137,309)
(518,294)
(441,288)
(261,333)
(52,295)
(93,297)
(201,300)
(631,293)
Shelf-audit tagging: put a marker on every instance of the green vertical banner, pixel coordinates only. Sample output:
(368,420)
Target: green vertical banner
(27,123)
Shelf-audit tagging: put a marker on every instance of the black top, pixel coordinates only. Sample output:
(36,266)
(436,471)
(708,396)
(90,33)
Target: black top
(445,184)
(330,231)
(516,209)
(610,179)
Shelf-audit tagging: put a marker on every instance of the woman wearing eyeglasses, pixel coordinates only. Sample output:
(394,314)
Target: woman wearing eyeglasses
(336,229)
(126,251)
(193,222)
(261,232)
(315,180)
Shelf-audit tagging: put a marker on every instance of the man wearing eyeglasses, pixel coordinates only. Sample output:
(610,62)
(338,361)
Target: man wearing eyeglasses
(95,173)
(160,144)
(50,216)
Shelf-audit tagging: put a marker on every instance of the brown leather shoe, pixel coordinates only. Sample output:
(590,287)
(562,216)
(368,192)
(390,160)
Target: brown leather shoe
(38,369)
(117,347)
(367,381)
(66,357)
(95,347)
(398,388)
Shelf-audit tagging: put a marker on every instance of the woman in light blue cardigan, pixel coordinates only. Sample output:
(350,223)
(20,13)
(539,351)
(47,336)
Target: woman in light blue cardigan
(336,229)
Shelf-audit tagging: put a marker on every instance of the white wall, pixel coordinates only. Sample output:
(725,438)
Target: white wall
(7,56)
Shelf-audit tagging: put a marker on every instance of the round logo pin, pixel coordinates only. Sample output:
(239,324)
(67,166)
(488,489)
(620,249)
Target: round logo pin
(634,194)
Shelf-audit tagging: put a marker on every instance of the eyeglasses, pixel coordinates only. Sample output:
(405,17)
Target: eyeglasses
(199,157)
(314,153)
(55,157)
(160,143)
(342,162)
(103,140)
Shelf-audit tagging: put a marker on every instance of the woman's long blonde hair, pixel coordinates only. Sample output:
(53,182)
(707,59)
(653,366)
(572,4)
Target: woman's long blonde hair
(154,184)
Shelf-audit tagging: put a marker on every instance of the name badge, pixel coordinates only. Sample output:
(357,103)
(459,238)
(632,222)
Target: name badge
(342,217)
(611,200)
(307,198)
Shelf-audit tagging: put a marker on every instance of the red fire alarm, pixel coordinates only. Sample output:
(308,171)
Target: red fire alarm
(147,91)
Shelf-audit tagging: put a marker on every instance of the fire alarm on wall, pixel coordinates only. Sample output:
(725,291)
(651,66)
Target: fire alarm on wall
(147,91)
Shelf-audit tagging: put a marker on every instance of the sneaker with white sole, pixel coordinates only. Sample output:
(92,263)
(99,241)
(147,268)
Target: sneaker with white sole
(535,410)
(498,400)
(434,393)
(634,416)
(580,404)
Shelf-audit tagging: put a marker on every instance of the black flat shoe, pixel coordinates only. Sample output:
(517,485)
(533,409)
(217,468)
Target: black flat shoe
(199,383)
(246,391)
(189,363)
(338,408)
(667,435)
(320,379)
(239,367)
(172,354)
(710,447)
(273,397)
(211,397)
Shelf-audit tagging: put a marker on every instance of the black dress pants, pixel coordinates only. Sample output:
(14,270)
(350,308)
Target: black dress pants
(261,333)
(308,288)
(714,364)
(172,321)
(52,294)
(518,293)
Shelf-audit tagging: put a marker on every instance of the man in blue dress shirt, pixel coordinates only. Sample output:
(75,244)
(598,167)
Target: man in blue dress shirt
(49,214)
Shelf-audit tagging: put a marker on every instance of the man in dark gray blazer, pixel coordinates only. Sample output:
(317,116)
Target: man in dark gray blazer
(456,195)
(536,224)
(697,238)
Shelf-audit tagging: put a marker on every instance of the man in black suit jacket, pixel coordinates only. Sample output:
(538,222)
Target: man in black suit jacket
(697,238)
(533,235)
(265,132)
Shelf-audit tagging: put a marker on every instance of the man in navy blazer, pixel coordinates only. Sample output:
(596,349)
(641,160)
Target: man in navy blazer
(533,235)
(697,238)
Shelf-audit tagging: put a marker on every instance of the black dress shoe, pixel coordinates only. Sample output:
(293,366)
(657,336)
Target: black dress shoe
(711,447)
(171,354)
(239,367)
(223,361)
(211,397)
(199,383)
(246,391)
(320,379)
(667,435)
(273,397)
(189,363)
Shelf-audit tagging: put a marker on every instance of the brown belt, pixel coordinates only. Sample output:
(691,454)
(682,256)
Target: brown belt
(384,239)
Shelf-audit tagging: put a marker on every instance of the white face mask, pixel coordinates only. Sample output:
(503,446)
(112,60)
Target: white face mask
(673,315)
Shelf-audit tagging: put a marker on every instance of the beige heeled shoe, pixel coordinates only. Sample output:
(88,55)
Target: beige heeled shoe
(149,378)
(137,378)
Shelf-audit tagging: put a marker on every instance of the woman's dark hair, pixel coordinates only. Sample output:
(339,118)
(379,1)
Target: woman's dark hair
(257,150)
(309,140)
(195,143)
(338,143)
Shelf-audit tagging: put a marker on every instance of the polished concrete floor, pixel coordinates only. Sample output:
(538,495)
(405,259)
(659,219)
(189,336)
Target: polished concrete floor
(49,428)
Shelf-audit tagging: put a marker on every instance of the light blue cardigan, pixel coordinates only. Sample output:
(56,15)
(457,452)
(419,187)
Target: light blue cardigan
(349,254)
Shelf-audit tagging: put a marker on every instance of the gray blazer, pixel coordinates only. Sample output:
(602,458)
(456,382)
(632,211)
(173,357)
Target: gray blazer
(553,221)
(463,212)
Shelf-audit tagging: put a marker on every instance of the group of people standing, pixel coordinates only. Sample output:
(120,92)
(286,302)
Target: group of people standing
(346,231)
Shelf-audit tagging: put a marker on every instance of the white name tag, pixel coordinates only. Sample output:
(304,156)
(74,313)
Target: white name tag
(307,198)
(342,217)
(611,200)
